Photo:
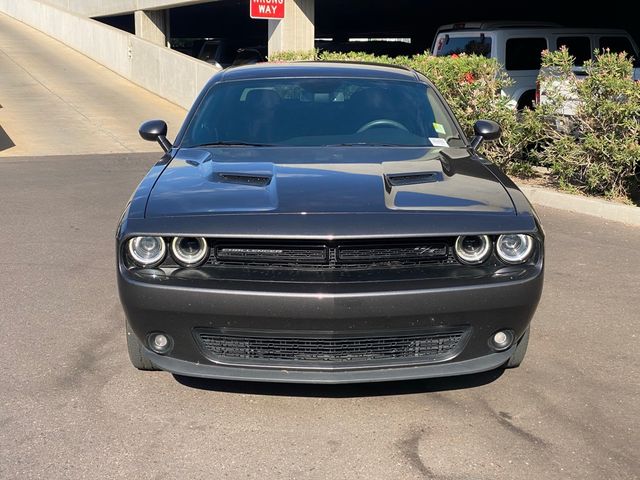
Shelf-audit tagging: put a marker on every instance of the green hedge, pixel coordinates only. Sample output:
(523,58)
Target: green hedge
(598,149)
(598,154)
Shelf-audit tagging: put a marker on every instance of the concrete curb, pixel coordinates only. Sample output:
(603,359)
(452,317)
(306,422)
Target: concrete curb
(584,205)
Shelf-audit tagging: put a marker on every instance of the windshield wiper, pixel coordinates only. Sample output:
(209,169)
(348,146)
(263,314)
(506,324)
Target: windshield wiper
(234,144)
(365,144)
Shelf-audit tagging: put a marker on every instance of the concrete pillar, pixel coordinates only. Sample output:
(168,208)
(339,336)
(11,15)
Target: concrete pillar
(152,25)
(296,33)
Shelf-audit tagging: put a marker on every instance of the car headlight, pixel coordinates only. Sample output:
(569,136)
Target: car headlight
(189,251)
(473,249)
(515,248)
(147,251)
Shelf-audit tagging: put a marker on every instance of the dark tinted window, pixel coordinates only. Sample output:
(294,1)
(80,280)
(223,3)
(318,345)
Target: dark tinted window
(471,45)
(524,53)
(321,111)
(248,56)
(208,51)
(579,47)
(619,45)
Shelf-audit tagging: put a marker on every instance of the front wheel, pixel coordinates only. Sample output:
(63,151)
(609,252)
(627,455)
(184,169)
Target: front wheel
(521,350)
(136,351)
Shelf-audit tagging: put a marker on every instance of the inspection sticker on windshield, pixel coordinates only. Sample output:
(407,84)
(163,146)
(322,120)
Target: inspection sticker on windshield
(439,128)
(438,142)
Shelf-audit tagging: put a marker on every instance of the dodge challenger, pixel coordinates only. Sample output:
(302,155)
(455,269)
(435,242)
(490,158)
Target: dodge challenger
(326,223)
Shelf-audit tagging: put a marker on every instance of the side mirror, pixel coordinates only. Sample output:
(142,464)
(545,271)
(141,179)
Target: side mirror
(485,130)
(156,131)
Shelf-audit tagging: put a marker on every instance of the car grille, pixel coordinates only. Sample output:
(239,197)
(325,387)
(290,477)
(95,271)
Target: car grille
(270,254)
(333,256)
(328,351)
(414,253)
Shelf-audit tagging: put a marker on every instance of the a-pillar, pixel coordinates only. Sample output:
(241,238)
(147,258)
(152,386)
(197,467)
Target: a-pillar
(152,25)
(296,32)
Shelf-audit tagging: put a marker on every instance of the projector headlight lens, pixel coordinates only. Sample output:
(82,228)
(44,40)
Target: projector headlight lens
(189,251)
(473,249)
(147,251)
(514,249)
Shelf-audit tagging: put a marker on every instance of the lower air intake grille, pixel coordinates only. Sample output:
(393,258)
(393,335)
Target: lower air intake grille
(324,351)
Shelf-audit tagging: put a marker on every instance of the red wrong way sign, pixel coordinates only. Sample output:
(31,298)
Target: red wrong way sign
(271,9)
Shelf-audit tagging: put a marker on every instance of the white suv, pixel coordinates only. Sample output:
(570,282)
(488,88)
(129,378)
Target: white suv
(518,47)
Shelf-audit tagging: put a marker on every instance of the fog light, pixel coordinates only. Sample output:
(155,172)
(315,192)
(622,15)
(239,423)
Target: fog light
(501,340)
(160,343)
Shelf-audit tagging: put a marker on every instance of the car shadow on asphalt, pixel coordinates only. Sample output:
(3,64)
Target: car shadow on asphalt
(406,387)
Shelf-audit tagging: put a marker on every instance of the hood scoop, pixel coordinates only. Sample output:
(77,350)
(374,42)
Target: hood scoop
(332,180)
(244,179)
(404,179)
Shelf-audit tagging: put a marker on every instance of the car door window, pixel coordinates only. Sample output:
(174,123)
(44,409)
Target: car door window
(524,53)
(619,45)
(579,48)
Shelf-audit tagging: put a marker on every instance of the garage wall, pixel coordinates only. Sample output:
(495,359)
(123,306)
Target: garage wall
(169,74)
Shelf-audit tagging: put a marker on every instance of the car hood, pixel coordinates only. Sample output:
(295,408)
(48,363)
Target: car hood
(207,181)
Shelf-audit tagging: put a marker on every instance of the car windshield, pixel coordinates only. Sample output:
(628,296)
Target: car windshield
(321,112)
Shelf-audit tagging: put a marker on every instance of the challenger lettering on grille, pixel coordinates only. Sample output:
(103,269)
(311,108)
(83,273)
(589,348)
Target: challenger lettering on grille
(251,251)
(343,254)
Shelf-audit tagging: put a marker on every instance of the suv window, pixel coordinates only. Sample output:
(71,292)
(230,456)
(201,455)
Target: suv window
(471,45)
(579,47)
(619,45)
(524,53)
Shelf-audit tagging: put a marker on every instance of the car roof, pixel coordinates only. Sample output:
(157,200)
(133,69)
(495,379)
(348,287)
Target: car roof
(318,69)
(505,24)
(525,26)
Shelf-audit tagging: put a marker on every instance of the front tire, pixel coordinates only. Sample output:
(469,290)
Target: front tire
(521,350)
(136,351)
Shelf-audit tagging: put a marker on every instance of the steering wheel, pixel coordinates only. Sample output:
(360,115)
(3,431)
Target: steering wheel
(382,121)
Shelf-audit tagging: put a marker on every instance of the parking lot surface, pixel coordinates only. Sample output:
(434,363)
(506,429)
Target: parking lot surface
(72,407)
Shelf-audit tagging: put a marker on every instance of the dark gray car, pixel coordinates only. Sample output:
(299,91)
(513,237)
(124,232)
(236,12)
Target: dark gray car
(327,223)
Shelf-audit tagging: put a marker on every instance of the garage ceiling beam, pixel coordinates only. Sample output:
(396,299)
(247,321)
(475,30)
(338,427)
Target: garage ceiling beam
(102,8)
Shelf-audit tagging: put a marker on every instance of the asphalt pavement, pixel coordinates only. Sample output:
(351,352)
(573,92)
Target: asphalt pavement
(72,407)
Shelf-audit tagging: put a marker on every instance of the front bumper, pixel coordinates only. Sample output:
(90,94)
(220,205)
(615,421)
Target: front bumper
(480,307)
(220,372)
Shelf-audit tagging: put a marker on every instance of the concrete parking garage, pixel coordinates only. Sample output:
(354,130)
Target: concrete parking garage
(309,19)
